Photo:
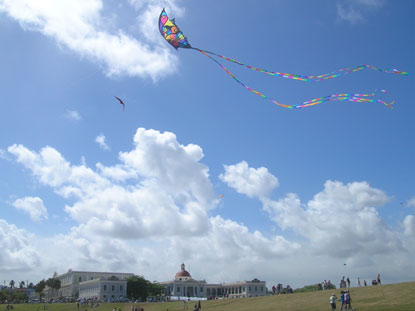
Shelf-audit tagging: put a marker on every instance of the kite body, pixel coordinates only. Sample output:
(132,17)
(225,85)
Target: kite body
(173,35)
(171,32)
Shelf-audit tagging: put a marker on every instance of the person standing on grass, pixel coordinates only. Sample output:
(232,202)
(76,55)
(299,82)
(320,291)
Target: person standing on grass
(342,300)
(379,279)
(333,302)
(346,299)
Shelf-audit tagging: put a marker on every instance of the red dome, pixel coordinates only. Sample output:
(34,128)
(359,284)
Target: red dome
(182,273)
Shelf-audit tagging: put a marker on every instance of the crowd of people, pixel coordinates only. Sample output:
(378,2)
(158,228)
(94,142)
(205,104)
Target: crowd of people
(279,289)
(345,283)
(345,298)
(325,285)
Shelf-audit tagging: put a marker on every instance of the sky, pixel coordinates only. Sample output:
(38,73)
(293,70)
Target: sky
(197,169)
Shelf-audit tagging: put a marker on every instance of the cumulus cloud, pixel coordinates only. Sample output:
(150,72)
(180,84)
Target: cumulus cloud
(156,199)
(73,114)
(16,254)
(249,181)
(169,191)
(159,198)
(100,140)
(234,241)
(32,206)
(340,211)
(82,26)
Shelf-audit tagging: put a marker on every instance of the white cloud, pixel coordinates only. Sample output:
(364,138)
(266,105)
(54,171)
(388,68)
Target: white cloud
(353,11)
(250,181)
(370,3)
(349,14)
(170,191)
(340,211)
(4,155)
(159,199)
(410,202)
(32,206)
(234,241)
(162,210)
(81,26)
(100,140)
(73,114)
(409,226)
(16,254)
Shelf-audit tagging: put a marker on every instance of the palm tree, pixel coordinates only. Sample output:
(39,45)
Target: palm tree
(21,284)
(11,283)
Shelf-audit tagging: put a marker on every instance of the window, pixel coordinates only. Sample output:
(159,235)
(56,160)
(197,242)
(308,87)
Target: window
(113,287)
(201,289)
(262,288)
(105,296)
(105,288)
(249,288)
(120,288)
(256,288)
(80,279)
(178,289)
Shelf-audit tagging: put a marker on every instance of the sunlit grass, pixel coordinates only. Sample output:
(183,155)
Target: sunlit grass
(394,297)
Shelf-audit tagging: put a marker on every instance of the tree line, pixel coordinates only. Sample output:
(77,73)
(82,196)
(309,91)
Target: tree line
(17,294)
(138,288)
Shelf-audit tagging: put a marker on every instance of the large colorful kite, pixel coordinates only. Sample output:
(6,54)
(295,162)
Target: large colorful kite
(173,35)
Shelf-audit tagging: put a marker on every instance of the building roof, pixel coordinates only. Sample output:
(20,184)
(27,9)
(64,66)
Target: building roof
(182,273)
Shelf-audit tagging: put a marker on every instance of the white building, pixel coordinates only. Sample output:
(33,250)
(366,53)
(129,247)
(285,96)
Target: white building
(241,289)
(183,285)
(104,289)
(71,280)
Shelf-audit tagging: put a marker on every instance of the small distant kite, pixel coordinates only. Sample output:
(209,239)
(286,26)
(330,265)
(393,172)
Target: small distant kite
(221,196)
(173,35)
(121,102)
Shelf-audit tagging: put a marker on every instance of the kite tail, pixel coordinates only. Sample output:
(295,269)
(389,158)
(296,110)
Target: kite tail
(305,78)
(360,98)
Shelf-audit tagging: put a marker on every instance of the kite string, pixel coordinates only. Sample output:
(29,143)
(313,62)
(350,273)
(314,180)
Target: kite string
(336,97)
(306,78)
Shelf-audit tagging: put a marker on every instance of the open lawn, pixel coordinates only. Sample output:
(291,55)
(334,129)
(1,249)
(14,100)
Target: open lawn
(394,297)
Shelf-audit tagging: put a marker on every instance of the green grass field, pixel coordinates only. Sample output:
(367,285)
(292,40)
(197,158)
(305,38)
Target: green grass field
(394,297)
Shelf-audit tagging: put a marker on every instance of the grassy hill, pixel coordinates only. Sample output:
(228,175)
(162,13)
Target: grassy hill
(394,297)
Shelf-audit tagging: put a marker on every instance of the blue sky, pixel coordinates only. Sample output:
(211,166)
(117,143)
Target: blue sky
(85,185)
